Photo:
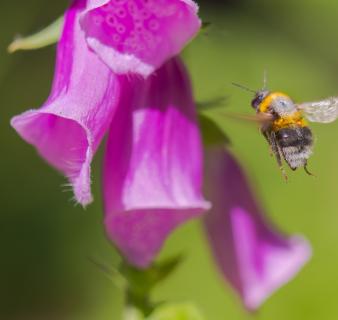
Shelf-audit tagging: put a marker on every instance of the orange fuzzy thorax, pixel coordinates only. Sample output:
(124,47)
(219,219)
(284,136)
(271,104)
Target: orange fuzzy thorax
(294,120)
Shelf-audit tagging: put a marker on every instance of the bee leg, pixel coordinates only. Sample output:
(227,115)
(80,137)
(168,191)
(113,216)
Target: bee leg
(279,161)
(268,139)
(271,151)
(277,152)
(307,171)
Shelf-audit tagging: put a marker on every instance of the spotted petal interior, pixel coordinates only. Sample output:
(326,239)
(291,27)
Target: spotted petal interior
(138,36)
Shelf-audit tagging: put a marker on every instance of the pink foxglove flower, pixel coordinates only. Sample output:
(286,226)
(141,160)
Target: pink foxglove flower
(153,163)
(139,35)
(252,255)
(69,127)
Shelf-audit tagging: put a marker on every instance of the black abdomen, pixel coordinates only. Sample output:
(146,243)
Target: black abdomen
(295,144)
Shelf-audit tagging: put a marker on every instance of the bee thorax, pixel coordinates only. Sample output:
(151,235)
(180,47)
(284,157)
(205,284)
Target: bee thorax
(283,106)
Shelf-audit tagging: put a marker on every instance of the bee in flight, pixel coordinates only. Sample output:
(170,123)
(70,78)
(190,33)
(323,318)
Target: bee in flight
(284,126)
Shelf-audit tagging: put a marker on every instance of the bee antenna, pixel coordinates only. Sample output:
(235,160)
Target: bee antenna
(242,87)
(265,79)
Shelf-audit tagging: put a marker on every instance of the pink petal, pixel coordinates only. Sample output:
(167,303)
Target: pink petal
(138,36)
(153,165)
(250,253)
(69,127)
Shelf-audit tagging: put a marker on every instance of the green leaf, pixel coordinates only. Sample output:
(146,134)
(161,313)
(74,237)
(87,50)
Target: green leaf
(43,38)
(204,28)
(212,134)
(205,25)
(213,103)
(182,311)
(111,272)
(142,280)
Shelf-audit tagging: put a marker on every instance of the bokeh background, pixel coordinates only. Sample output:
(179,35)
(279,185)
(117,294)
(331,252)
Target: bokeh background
(46,242)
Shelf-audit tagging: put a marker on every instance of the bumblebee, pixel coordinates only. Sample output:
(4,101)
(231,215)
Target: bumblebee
(284,125)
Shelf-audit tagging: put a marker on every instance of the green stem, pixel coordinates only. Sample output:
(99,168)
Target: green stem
(140,301)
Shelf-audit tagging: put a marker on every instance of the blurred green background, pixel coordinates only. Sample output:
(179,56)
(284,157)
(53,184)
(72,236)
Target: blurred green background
(45,241)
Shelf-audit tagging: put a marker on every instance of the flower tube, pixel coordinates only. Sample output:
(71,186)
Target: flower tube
(253,256)
(153,163)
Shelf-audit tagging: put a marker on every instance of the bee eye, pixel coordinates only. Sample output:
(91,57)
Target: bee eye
(256,101)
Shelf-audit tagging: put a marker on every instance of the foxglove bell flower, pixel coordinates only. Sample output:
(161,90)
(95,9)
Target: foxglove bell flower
(69,127)
(252,255)
(138,36)
(153,163)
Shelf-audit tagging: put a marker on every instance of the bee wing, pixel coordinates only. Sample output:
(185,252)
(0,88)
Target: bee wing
(323,111)
(260,118)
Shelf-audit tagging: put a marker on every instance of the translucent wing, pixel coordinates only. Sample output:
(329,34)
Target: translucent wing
(261,118)
(323,111)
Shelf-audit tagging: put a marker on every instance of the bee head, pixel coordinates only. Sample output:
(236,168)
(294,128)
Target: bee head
(259,97)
